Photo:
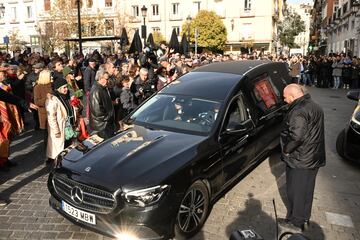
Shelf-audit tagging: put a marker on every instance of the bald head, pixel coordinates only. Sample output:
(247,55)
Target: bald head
(292,92)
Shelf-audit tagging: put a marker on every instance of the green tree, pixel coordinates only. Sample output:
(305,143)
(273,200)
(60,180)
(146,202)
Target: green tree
(15,43)
(158,37)
(290,28)
(212,32)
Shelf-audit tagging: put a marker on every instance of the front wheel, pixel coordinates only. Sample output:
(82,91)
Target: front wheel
(193,211)
(340,144)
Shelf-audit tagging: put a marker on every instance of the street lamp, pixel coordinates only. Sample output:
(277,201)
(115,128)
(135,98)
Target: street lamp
(79,25)
(2,10)
(143,27)
(188,21)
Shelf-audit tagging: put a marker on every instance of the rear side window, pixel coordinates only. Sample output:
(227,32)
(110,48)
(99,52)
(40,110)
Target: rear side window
(236,113)
(266,95)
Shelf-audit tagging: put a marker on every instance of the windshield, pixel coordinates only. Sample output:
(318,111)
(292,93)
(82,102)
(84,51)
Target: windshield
(178,112)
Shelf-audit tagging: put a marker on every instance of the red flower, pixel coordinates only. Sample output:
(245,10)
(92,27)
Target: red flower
(74,101)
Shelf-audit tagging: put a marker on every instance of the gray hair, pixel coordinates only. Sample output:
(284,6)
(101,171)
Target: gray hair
(144,70)
(101,72)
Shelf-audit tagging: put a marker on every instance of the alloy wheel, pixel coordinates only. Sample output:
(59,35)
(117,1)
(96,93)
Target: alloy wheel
(192,210)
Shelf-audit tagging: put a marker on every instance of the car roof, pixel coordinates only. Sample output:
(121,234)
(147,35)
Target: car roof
(233,67)
(207,85)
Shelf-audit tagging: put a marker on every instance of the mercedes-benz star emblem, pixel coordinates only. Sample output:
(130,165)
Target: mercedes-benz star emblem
(77,195)
(87,169)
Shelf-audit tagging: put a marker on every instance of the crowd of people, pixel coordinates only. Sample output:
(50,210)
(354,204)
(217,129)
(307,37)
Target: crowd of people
(332,71)
(78,95)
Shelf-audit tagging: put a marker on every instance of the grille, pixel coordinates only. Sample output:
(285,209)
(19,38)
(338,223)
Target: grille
(94,200)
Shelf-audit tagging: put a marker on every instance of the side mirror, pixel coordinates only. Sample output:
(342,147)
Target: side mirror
(235,127)
(353,95)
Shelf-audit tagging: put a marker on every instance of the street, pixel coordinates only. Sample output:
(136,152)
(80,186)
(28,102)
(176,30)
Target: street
(335,213)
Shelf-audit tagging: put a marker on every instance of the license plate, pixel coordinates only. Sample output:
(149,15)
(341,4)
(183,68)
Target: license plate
(78,214)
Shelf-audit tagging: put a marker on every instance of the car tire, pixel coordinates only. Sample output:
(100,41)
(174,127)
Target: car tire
(193,211)
(340,144)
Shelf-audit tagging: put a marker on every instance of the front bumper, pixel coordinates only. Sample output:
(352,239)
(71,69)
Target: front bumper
(106,227)
(352,143)
(155,222)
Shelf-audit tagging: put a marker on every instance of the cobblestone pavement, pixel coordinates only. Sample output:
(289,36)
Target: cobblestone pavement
(336,208)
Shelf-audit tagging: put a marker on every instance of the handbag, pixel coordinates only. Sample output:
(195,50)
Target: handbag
(69,131)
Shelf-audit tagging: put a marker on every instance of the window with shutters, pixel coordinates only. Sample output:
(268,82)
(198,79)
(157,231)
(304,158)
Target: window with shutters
(247,5)
(175,8)
(155,9)
(135,11)
(108,3)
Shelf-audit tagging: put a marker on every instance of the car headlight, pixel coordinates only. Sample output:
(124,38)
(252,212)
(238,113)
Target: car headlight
(147,196)
(356,115)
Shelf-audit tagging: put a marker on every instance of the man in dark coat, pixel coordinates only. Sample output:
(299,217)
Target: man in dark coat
(89,79)
(102,114)
(303,150)
(30,83)
(142,87)
(58,68)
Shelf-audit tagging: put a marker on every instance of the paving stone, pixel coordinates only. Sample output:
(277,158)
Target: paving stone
(32,226)
(60,227)
(79,235)
(36,235)
(19,235)
(93,236)
(17,226)
(47,227)
(5,234)
(64,235)
(49,235)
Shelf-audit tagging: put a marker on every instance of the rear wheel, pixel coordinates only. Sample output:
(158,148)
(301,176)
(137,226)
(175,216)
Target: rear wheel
(193,211)
(340,143)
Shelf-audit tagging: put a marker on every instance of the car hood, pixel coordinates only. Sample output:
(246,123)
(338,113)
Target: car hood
(136,157)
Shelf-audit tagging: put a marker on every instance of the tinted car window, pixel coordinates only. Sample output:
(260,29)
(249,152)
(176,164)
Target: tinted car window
(237,112)
(178,112)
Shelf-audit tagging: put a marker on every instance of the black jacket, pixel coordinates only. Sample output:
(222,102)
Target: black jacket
(302,136)
(30,82)
(142,90)
(10,98)
(102,115)
(89,78)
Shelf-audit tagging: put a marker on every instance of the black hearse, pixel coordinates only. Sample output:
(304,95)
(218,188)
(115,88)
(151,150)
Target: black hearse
(183,148)
(348,140)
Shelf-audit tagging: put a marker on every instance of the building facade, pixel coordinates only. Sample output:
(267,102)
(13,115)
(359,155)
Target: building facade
(19,20)
(337,29)
(249,23)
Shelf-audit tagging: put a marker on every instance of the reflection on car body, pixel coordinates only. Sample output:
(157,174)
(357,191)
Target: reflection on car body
(348,140)
(184,147)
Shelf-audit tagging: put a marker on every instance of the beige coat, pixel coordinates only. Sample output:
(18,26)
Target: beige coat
(56,116)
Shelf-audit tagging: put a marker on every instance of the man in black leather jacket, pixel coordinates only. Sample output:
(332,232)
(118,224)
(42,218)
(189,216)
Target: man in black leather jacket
(102,114)
(303,150)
